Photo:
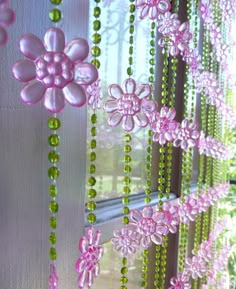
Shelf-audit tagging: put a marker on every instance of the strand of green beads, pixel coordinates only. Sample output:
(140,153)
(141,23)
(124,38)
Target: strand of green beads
(53,173)
(55,14)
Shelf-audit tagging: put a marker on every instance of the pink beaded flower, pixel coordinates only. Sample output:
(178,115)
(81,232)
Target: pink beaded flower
(187,135)
(193,59)
(189,209)
(7,17)
(168,23)
(126,240)
(205,251)
(205,11)
(215,35)
(153,8)
(164,127)
(87,266)
(94,95)
(180,282)
(53,278)
(172,216)
(196,267)
(54,72)
(126,105)
(151,226)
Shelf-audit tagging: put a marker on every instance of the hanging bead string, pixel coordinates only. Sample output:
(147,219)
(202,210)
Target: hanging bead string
(55,14)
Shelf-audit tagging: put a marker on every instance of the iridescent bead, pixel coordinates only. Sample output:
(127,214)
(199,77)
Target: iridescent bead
(53,157)
(53,223)
(91,206)
(91,218)
(91,181)
(54,140)
(52,191)
(52,238)
(54,123)
(92,193)
(55,15)
(53,207)
(53,173)
(53,254)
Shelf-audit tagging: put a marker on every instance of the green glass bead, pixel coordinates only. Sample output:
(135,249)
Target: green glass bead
(131,50)
(91,206)
(143,284)
(124,261)
(131,39)
(123,287)
(152,34)
(127,138)
(152,51)
(52,191)
(54,123)
(125,220)
(149,158)
(92,193)
(56,2)
(53,207)
(148,183)
(96,51)
(151,70)
(126,180)
(149,150)
(93,144)
(91,181)
(131,60)
(92,169)
(147,200)
(127,169)
(93,131)
(53,157)
(127,149)
(125,200)
(131,29)
(55,15)
(124,270)
(127,159)
(52,238)
(152,43)
(153,25)
(93,118)
(96,12)
(131,18)
(53,254)
(129,71)
(144,269)
(96,63)
(123,280)
(53,173)
(91,218)
(125,210)
(92,156)
(151,79)
(132,8)
(148,191)
(97,1)
(96,25)
(145,261)
(145,252)
(144,276)
(148,167)
(53,223)
(54,140)
(126,190)
(149,175)
(152,61)
(96,38)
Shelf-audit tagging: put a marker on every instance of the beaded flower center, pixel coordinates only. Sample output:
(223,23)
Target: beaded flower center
(54,69)
(125,241)
(129,104)
(152,2)
(91,257)
(146,226)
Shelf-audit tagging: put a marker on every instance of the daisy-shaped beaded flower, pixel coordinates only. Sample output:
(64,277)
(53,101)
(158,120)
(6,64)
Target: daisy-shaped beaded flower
(126,105)
(180,282)
(172,216)
(87,266)
(196,267)
(168,23)
(7,17)
(54,72)
(153,8)
(151,226)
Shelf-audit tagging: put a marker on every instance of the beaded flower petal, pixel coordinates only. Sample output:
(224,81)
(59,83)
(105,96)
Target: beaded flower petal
(87,266)
(180,282)
(54,72)
(128,105)
(7,17)
(153,8)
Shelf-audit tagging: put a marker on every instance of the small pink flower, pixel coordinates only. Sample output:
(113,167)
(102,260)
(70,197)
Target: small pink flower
(189,209)
(187,135)
(205,12)
(164,127)
(196,267)
(127,105)
(180,282)
(215,35)
(94,95)
(168,23)
(151,226)
(205,251)
(53,278)
(87,266)
(193,59)
(126,240)
(7,17)
(54,72)
(172,217)
(153,8)
(206,82)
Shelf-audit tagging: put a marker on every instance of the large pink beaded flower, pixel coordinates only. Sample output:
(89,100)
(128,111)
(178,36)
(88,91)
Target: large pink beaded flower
(126,105)
(168,23)
(7,17)
(151,226)
(180,282)
(87,266)
(126,240)
(53,278)
(164,127)
(196,267)
(54,72)
(153,8)
(187,135)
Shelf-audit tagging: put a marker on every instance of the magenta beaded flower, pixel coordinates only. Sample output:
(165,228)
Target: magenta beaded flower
(153,8)
(7,17)
(196,267)
(87,266)
(164,127)
(94,95)
(54,72)
(53,278)
(127,104)
(180,282)
(187,135)
(126,240)
(151,226)
(168,23)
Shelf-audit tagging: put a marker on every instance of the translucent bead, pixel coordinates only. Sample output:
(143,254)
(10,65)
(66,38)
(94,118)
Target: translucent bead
(127,159)
(96,25)
(148,191)
(152,61)
(123,287)
(96,38)
(131,29)
(131,39)
(126,190)
(92,156)
(144,269)
(127,138)
(124,270)
(152,51)
(127,149)
(93,144)
(125,220)
(53,157)
(92,193)
(92,169)
(54,140)
(126,180)
(55,15)
(125,200)
(123,280)
(124,261)
(147,200)
(91,181)
(96,11)
(96,63)
(53,207)
(148,183)
(93,131)
(127,169)
(52,238)
(54,123)
(56,2)
(131,18)
(153,25)
(91,206)
(125,210)
(96,51)
(53,191)
(144,284)
(93,118)
(53,173)
(91,218)
(53,254)
(132,8)
(53,223)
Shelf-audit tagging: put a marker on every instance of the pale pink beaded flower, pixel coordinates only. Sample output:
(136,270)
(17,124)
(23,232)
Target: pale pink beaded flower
(164,127)
(7,17)
(94,95)
(189,209)
(205,11)
(193,59)
(205,251)
(180,282)
(187,135)
(196,267)
(53,278)
(153,8)
(87,266)
(151,226)
(54,72)
(126,105)
(126,241)
(168,23)
(172,216)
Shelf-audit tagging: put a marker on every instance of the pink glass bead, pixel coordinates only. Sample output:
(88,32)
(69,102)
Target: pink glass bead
(54,72)
(7,17)
(152,8)
(53,278)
